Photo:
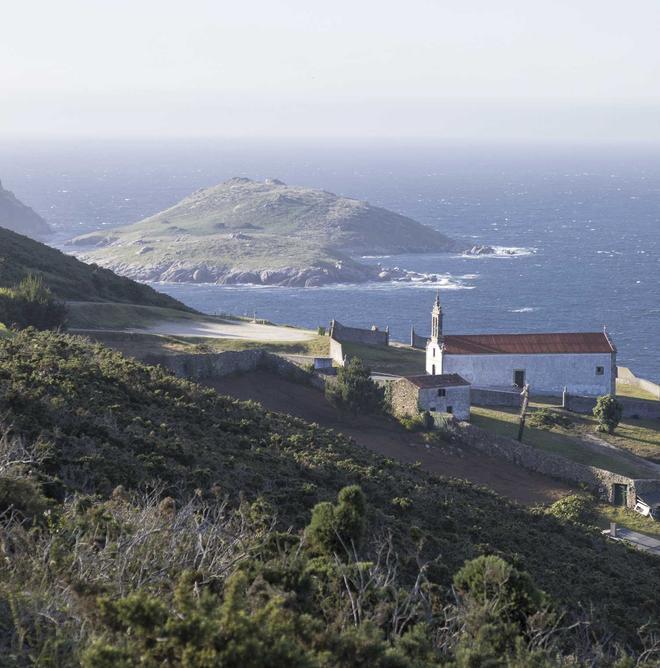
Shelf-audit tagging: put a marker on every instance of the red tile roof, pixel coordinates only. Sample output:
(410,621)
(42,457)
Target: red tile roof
(439,380)
(528,344)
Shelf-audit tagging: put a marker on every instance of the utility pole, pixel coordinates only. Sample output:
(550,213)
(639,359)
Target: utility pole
(523,411)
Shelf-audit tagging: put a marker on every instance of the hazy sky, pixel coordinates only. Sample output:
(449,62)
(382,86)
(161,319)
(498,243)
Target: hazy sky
(457,69)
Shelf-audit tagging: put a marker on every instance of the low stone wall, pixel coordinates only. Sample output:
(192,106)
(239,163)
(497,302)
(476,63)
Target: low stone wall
(533,459)
(632,408)
(626,377)
(481,396)
(207,366)
(366,337)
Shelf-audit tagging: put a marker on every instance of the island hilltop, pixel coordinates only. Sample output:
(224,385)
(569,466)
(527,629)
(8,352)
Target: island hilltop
(252,232)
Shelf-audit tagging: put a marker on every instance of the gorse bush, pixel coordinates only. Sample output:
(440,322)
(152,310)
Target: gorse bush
(31,304)
(546,418)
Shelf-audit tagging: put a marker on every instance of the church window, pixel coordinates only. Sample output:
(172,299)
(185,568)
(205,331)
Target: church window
(600,370)
(433,349)
(442,392)
(433,369)
(450,409)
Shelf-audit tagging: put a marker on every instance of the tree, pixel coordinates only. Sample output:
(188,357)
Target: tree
(354,390)
(608,412)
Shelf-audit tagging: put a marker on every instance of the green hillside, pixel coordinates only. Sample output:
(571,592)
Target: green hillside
(162,542)
(244,231)
(68,278)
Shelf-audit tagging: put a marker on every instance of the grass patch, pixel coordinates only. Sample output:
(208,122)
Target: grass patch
(317,346)
(626,518)
(623,390)
(398,360)
(557,440)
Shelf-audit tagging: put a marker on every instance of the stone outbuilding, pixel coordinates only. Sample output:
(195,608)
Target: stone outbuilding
(447,393)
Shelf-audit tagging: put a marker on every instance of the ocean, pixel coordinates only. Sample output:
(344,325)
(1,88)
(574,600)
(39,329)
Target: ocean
(584,220)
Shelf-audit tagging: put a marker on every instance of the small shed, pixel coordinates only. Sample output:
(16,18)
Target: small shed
(444,393)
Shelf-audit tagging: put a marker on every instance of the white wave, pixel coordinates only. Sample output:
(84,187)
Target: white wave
(375,257)
(525,309)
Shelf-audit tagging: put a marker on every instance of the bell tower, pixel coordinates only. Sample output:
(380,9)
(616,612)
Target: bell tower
(436,320)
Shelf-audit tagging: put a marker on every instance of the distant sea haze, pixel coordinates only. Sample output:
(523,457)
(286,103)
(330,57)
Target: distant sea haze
(585,224)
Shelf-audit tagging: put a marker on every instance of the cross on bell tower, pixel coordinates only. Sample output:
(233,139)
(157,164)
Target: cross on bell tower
(436,320)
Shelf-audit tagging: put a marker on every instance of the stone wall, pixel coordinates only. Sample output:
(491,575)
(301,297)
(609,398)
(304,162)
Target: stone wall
(404,398)
(632,408)
(482,396)
(626,377)
(366,337)
(533,459)
(206,366)
(417,341)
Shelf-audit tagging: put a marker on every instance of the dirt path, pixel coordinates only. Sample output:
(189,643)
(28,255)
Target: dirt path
(228,329)
(388,438)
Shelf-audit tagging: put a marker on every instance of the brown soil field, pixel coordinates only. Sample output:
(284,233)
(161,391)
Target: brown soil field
(388,438)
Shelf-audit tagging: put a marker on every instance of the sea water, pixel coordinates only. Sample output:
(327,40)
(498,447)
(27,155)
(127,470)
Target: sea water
(576,229)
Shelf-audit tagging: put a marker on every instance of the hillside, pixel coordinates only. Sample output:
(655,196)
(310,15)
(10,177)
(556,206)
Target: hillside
(70,279)
(16,216)
(112,577)
(244,231)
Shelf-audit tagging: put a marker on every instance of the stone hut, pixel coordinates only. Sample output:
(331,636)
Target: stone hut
(446,393)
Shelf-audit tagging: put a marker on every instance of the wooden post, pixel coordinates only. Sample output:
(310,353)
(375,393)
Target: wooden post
(523,411)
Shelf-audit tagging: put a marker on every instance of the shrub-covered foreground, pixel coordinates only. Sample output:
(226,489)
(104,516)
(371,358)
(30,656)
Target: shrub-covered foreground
(148,519)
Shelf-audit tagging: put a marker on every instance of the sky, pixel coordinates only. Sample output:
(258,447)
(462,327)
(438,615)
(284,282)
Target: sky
(511,70)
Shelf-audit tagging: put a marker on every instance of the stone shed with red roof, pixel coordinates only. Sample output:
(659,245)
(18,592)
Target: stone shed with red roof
(448,393)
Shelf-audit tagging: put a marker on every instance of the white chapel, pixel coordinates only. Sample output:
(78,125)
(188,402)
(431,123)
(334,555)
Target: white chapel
(582,362)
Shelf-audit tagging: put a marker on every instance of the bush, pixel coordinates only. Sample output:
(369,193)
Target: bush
(31,304)
(419,422)
(354,389)
(546,418)
(336,528)
(492,583)
(608,412)
(578,508)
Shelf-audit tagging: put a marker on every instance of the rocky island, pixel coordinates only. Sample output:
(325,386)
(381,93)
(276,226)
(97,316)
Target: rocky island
(18,217)
(250,232)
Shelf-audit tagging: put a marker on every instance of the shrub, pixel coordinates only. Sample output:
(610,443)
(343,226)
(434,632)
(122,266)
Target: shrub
(546,418)
(579,508)
(492,583)
(608,412)
(31,304)
(354,389)
(336,528)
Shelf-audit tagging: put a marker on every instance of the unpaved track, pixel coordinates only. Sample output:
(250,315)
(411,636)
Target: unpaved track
(227,329)
(388,438)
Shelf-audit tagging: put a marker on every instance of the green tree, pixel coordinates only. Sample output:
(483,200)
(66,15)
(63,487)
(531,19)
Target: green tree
(608,412)
(354,389)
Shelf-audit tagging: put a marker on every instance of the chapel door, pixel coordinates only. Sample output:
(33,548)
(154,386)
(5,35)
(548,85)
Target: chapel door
(519,377)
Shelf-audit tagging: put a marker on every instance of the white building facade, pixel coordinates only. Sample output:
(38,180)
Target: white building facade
(582,362)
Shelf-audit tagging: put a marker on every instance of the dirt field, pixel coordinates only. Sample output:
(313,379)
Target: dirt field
(388,438)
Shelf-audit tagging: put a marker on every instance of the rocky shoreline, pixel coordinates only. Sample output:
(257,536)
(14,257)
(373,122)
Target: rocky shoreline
(314,276)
